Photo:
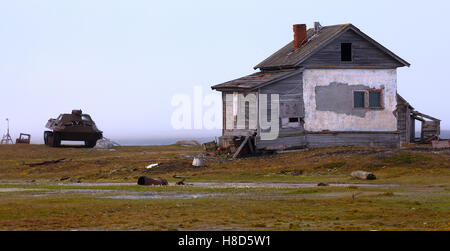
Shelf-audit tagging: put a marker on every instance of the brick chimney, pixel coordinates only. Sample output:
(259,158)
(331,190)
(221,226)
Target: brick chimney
(299,35)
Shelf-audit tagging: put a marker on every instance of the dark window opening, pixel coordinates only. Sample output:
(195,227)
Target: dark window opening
(375,99)
(294,120)
(346,52)
(358,98)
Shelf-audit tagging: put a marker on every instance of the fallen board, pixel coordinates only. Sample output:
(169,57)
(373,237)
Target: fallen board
(440,144)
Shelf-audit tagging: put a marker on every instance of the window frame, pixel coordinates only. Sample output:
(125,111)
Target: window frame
(364,105)
(380,101)
(367,99)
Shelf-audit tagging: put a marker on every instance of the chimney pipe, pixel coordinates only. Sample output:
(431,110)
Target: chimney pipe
(317,27)
(299,35)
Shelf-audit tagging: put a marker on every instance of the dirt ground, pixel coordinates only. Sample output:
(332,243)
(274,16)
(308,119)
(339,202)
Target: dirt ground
(96,190)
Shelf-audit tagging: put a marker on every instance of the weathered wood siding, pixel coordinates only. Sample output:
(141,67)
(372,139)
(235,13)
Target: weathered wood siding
(291,100)
(430,129)
(227,113)
(333,139)
(389,140)
(404,123)
(282,143)
(364,53)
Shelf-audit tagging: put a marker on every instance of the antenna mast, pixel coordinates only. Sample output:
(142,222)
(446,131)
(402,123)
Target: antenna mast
(7,138)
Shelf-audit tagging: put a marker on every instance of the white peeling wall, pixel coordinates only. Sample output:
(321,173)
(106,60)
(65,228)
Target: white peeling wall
(372,120)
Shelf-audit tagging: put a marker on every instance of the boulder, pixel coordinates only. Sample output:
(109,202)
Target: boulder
(104,144)
(362,175)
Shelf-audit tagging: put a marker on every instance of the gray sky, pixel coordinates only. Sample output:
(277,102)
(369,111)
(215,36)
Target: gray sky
(122,61)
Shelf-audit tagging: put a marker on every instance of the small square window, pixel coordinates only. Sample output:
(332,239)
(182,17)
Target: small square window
(346,52)
(359,99)
(375,99)
(291,122)
(294,120)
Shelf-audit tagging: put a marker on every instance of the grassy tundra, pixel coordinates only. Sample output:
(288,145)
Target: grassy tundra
(412,190)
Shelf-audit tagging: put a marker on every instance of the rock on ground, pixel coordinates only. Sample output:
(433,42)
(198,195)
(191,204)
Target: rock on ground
(363,175)
(103,144)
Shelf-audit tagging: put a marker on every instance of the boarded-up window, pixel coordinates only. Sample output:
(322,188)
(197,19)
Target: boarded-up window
(346,52)
(359,99)
(375,99)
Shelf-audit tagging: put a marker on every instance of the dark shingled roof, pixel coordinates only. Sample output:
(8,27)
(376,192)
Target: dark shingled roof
(256,80)
(287,57)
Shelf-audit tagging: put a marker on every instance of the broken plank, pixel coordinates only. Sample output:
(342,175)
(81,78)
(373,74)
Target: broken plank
(241,147)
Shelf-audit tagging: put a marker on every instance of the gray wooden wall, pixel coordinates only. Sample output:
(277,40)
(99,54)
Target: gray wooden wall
(364,53)
(335,139)
(291,100)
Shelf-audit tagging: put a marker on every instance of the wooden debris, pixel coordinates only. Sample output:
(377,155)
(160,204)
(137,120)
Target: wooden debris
(362,175)
(44,163)
(210,146)
(440,144)
(241,147)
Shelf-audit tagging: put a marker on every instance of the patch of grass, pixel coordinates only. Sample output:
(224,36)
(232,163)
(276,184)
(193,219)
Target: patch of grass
(423,196)
(306,191)
(406,158)
(332,165)
(387,194)
(260,209)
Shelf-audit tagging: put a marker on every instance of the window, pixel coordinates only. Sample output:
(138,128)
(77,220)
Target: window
(375,99)
(346,52)
(293,120)
(85,118)
(372,99)
(359,99)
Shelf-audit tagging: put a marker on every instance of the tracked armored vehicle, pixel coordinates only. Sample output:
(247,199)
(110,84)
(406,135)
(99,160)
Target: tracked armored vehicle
(72,127)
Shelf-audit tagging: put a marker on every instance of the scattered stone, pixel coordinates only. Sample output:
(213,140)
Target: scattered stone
(362,175)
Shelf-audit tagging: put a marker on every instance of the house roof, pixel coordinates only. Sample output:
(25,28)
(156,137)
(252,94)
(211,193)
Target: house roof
(256,80)
(288,57)
(403,101)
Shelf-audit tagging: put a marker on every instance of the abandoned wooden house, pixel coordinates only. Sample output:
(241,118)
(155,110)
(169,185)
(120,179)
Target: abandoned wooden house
(335,86)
